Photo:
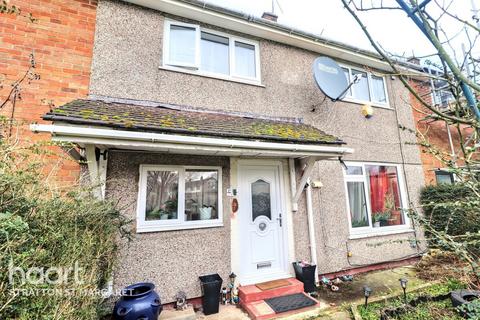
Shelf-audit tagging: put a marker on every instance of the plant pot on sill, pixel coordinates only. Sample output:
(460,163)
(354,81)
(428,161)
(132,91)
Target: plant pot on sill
(376,224)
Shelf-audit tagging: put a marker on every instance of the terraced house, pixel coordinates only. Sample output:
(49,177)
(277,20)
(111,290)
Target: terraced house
(208,126)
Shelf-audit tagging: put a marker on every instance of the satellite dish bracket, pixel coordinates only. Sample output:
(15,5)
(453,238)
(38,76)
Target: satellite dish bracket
(356,79)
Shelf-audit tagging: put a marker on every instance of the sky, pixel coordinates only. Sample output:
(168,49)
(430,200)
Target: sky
(391,28)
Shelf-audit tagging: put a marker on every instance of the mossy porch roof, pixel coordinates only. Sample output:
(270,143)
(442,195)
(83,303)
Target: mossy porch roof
(167,119)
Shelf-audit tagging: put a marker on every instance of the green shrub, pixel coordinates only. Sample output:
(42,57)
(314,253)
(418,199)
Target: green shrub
(41,227)
(451,208)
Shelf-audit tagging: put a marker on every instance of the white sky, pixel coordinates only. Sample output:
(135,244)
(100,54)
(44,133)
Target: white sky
(391,28)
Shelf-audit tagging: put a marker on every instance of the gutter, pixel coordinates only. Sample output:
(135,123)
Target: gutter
(91,135)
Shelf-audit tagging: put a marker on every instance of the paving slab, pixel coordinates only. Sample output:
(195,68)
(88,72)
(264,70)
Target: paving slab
(381,282)
(172,314)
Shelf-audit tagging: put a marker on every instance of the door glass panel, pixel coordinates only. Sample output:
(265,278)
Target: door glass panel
(261,199)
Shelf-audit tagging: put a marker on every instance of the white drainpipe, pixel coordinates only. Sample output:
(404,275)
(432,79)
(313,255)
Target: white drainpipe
(311,228)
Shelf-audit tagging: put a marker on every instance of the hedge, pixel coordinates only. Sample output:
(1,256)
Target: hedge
(41,227)
(451,208)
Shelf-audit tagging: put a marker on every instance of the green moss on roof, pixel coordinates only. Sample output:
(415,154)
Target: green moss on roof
(158,118)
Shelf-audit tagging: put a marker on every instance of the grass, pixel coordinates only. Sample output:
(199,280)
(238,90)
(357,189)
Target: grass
(431,310)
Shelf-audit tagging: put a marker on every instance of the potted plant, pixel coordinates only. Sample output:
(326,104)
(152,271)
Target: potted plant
(380,219)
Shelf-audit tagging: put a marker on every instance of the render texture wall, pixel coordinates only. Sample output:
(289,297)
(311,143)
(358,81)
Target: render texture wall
(173,260)
(127,56)
(61,37)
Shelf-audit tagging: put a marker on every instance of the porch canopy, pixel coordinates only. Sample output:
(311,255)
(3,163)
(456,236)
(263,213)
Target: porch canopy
(111,123)
(101,123)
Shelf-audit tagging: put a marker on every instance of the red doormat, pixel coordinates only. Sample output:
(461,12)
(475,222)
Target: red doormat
(272,284)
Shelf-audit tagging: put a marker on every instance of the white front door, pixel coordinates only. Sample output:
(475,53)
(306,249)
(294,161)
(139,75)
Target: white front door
(262,217)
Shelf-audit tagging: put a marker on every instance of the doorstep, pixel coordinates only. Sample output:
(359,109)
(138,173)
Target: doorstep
(252,300)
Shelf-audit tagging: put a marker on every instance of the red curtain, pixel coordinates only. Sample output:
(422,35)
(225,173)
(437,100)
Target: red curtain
(378,187)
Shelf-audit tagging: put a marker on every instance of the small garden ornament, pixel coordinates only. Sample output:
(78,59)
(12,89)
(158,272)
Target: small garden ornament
(181,300)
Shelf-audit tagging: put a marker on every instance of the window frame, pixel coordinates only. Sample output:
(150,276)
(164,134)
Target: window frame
(195,69)
(349,96)
(369,230)
(180,223)
(443,172)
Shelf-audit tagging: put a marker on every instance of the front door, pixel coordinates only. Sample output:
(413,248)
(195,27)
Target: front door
(262,236)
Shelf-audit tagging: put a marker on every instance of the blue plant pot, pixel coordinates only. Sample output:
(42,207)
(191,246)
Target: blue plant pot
(138,302)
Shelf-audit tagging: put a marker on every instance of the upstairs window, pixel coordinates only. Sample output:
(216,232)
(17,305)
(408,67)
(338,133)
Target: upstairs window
(369,88)
(193,49)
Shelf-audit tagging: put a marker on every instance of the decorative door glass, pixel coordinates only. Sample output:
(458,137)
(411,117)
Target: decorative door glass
(261,199)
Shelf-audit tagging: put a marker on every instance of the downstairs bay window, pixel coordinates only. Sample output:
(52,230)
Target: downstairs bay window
(375,197)
(178,197)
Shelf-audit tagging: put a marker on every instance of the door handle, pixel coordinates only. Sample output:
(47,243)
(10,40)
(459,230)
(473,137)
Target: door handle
(280,219)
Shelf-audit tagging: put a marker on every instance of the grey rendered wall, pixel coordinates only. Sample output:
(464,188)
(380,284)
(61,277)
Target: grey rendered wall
(127,56)
(173,260)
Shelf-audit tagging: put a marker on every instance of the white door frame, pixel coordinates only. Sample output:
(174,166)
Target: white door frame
(285,221)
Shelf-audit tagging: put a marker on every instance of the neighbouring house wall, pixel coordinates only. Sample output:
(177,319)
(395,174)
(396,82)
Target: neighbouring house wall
(62,40)
(434,133)
(288,90)
(173,260)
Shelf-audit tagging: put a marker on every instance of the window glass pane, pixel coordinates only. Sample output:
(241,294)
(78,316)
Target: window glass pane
(162,195)
(358,205)
(214,53)
(244,60)
(201,194)
(378,90)
(360,89)
(261,199)
(384,195)
(182,45)
(444,177)
(354,170)
(347,75)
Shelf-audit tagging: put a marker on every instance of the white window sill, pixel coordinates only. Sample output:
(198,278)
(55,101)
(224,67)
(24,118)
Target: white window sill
(213,76)
(371,103)
(173,227)
(374,233)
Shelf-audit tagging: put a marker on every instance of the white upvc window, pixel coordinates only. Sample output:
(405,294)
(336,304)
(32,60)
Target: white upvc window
(370,89)
(179,197)
(376,200)
(193,49)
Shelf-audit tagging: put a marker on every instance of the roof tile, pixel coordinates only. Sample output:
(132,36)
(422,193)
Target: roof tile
(164,118)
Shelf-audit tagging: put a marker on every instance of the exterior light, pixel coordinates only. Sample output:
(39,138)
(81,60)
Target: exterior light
(367,111)
(403,283)
(367,292)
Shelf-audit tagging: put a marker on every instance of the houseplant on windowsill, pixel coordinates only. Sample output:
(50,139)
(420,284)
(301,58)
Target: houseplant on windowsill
(380,219)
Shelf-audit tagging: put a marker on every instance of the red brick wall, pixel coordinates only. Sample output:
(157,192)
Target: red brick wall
(62,40)
(434,131)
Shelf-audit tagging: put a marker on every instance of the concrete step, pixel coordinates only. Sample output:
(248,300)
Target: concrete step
(252,293)
(260,310)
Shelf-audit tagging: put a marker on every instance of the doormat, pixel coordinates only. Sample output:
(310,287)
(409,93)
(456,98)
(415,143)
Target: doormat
(272,284)
(291,302)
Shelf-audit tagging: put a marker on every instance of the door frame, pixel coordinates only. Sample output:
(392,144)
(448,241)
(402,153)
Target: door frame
(285,245)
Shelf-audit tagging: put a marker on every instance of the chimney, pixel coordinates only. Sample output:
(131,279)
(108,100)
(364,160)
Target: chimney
(270,16)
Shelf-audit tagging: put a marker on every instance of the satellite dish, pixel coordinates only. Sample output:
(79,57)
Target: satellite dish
(330,78)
